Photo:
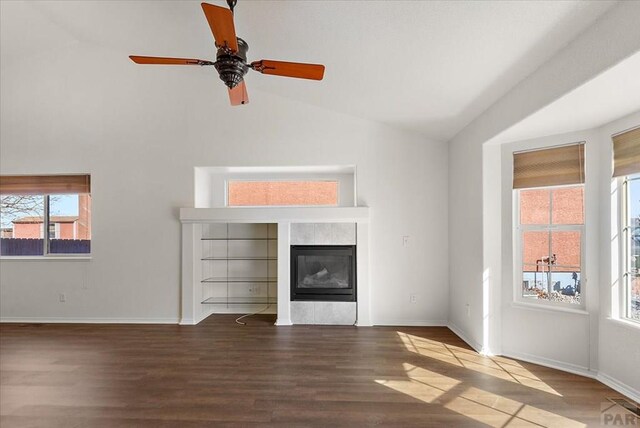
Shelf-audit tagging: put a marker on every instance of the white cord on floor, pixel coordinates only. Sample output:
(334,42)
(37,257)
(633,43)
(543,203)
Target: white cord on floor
(248,315)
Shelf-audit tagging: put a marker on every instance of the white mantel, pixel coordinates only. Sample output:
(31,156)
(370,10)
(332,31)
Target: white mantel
(193,218)
(275,215)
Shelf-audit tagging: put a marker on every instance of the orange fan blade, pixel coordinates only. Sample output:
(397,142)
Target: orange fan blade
(168,61)
(221,23)
(238,95)
(289,69)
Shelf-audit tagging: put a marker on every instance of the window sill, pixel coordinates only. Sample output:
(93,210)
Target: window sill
(44,258)
(548,308)
(625,323)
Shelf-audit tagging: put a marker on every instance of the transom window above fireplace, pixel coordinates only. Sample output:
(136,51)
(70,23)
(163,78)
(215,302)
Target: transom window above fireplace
(269,186)
(282,193)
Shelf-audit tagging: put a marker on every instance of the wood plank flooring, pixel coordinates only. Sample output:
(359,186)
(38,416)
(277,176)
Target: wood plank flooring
(221,374)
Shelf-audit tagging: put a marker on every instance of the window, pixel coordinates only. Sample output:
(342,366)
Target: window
(549,221)
(626,166)
(551,231)
(275,186)
(631,244)
(45,215)
(282,193)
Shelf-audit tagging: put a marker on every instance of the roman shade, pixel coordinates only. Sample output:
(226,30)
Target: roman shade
(626,153)
(554,166)
(45,184)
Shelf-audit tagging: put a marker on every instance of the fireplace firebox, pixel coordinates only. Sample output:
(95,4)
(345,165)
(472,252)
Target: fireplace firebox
(323,272)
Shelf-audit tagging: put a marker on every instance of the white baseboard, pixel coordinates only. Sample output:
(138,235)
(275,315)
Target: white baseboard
(612,383)
(550,362)
(409,323)
(363,323)
(89,320)
(475,345)
(283,322)
(620,387)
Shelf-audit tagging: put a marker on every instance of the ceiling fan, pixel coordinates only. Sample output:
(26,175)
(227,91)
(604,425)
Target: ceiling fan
(231,58)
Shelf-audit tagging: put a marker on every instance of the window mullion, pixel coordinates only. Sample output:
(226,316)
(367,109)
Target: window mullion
(550,207)
(623,311)
(549,253)
(626,250)
(46,226)
(626,299)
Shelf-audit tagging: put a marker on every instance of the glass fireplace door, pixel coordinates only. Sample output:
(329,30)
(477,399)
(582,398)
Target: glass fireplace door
(323,272)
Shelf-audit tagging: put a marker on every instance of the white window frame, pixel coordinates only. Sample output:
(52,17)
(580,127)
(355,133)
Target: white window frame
(519,229)
(624,248)
(211,183)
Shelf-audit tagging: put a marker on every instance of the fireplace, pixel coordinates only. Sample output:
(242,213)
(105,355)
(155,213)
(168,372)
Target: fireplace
(323,272)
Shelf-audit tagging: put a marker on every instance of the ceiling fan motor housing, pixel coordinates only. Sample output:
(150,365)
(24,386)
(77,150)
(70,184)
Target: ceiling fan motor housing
(232,66)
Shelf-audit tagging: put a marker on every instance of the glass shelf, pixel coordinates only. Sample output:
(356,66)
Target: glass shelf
(256,279)
(240,301)
(240,279)
(239,258)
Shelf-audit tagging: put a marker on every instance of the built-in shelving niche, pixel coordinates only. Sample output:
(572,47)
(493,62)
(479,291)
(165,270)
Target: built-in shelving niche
(239,267)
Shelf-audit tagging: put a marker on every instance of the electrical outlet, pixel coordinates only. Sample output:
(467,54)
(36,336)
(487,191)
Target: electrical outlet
(405,241)
(62,298)
(413,298)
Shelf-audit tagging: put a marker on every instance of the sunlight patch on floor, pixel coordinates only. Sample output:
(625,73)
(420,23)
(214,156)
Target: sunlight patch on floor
(474,403)
(491,408)
(414,388)
(460,357)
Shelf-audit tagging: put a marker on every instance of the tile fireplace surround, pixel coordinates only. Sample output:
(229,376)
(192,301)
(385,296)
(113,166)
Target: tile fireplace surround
(296,226)
(324,312)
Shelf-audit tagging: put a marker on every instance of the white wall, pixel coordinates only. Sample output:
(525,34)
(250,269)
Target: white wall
(560,338)
(618,342)
(609,40)
(592,341)
(141,130)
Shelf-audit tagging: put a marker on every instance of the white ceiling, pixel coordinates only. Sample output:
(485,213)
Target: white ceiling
(426,66)
(607,97)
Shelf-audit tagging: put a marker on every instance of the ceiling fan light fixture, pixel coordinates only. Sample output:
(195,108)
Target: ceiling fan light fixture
(231,57)
(232,66)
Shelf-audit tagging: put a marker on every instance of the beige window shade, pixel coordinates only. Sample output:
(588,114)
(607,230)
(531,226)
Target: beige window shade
(626,153)
(45,184)
(549,167)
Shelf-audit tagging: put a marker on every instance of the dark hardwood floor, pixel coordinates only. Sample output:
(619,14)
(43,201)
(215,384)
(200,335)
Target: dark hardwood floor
(219,373)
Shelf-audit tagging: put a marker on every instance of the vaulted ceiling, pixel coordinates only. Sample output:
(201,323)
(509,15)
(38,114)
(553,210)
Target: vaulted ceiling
(426,66)
(607,97)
